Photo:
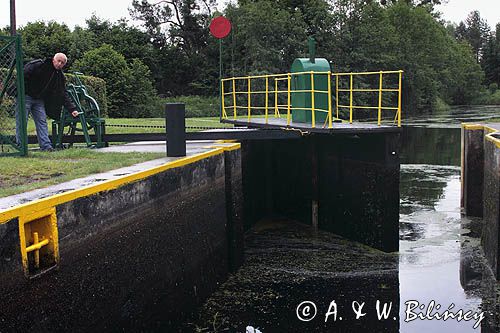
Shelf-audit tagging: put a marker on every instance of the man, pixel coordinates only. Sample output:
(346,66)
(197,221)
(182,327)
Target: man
(45,93)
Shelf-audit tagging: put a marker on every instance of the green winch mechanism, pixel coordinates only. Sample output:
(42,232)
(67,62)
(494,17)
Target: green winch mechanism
(88,120)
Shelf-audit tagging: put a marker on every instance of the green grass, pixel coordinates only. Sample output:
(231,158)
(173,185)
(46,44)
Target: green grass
(42,169)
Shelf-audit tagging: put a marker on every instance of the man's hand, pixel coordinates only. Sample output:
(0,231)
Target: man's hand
(74,113)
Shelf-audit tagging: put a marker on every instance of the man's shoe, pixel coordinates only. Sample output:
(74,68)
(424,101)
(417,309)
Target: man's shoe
(48,150)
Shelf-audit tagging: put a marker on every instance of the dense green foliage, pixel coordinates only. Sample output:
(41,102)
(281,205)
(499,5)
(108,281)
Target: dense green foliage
(196,106)
(173,54)
(130,91)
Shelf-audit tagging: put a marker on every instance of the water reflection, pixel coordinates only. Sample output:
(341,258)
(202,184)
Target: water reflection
(287,263)
(437,146)
(430,248)
(454,116)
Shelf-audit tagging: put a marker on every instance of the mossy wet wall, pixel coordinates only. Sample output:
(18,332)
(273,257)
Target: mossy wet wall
(481,185)
(357,180)
(491,209)
(472,171)
(137,258)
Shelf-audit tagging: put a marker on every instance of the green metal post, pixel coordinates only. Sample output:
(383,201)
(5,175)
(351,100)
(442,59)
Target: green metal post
(21,105)
(312,50)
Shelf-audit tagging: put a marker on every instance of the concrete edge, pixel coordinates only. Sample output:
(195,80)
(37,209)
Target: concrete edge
(32,207)
(493,133)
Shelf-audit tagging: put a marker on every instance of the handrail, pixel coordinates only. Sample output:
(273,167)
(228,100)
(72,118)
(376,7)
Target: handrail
(256,93)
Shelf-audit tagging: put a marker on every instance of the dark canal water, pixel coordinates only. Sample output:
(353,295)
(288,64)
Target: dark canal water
(440,258)
(440,261)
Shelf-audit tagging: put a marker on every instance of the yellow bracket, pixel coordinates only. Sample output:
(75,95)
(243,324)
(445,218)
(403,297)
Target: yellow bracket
(39,241)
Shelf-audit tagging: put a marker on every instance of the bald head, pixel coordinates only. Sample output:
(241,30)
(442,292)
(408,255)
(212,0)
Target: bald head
(59,60)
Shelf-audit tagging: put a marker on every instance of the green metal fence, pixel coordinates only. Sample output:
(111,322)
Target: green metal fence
(12,97)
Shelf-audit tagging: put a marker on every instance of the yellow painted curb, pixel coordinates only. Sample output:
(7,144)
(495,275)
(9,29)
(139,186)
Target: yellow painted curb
(490,130)
(472,127)
(496,141)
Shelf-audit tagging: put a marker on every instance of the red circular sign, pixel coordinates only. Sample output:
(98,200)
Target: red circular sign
(220,27)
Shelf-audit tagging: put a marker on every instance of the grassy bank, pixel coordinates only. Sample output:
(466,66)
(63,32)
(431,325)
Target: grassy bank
(42,169)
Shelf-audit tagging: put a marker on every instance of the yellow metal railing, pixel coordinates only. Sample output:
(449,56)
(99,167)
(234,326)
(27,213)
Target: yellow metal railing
(258,97)
(380,90)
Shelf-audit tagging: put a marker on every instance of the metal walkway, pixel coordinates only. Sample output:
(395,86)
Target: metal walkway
(337,128)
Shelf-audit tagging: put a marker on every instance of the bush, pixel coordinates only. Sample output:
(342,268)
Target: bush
(486,98)
(196,106)
(142,94)
(493,87)
(106,63)
(129,86)
(440,105)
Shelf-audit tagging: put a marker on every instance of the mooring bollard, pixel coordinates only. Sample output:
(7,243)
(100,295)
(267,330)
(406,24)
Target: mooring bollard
(176,129)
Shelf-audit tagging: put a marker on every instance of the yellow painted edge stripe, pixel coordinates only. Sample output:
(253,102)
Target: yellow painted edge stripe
(490,130)
(235,146)
(494,140)
(33,207)
(226,141)
(472,127)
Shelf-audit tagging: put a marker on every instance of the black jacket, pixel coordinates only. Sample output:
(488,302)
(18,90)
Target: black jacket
(43,81)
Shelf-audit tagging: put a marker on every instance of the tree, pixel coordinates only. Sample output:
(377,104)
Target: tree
(180,22)
(41,40)
(265,38)
(82,40)
(129,41)
(490,61)
(435,64)
(461,32)
(430,3)
(106,63)
(476,32)
(140,91)
(179,32)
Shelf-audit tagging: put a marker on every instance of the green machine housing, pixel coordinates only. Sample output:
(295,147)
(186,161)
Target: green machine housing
(301,102)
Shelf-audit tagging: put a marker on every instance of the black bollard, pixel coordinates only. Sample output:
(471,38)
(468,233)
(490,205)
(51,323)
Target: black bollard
(176,129)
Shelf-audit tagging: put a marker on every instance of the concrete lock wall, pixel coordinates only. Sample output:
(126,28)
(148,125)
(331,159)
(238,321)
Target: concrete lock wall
(481,185)
(472,171)
(353,179)
(138,257)
(491,209)
(141,255)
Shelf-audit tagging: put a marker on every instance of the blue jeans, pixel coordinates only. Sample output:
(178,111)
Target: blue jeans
(37,109)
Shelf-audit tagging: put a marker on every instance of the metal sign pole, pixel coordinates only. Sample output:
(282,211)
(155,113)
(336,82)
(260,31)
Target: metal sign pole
(13,17)
(220,79)
(220,27)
